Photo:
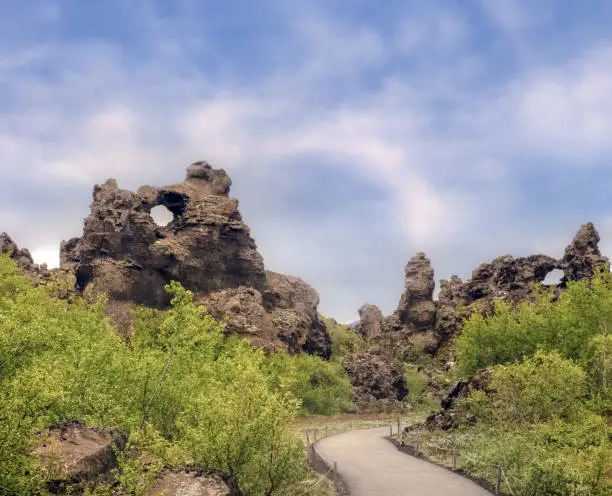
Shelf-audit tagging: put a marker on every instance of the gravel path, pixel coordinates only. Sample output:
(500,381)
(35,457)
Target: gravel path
(372,466)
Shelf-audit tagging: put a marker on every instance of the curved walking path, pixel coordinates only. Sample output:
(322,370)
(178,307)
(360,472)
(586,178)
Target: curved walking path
(372,466)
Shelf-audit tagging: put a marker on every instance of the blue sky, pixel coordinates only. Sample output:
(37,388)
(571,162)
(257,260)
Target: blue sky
(356,132)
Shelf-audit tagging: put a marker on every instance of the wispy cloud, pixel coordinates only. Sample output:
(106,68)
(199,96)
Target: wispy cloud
(411,107)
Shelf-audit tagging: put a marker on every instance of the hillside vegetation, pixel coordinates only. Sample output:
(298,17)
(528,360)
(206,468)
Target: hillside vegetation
(545,413)
(183,391)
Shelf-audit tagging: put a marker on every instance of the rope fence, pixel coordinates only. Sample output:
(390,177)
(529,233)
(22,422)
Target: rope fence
(329,469)
(453,455)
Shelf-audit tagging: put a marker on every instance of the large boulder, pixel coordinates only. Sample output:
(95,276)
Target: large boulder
(376,378)
(370,321)
(283,314)
(124,253)
(73,454)
(170,483)
(416,308)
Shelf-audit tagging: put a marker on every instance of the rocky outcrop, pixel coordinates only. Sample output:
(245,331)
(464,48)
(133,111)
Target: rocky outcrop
(170,483)
(370,321)
(73,454)
(449,417)
(125,254)
(22,258)
(206,247)
(376,378)
(505,278)
(285,310)
(582,256)
(416,308)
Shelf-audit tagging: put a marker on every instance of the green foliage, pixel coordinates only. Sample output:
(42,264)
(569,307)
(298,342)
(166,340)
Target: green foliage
(416,382)
(146,454)
(322,387)
(540,388)
(536,421)
(179,387)
(583,312)
(237,426)
(344,339)
(600,371)
(542,415)
(532,466)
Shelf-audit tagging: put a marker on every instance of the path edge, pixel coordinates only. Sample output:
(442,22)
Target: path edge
(410,450)
(324,467)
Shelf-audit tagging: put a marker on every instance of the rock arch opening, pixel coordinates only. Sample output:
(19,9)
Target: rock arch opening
(553,278)
(161,215)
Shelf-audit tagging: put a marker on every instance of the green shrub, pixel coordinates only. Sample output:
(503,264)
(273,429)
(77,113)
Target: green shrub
(322,387)
(177,386)
(540,388)
(416,382)
(583,312)
(536,422)
(344,340)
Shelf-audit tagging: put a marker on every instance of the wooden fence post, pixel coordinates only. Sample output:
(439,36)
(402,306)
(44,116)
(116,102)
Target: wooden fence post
(326,430)
(398,427)
(417,449)
(391,430)
(336,473)
(500,469)
(454,458)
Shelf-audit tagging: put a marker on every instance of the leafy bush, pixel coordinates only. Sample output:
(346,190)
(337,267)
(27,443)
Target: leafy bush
(531,466)
(540,388)
(583,312)
(344,340)
(322,387)
(416,382)
(542,413)
(178,386)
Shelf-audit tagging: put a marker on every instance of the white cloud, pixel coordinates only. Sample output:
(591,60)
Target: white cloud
(562,112)
(46,254)
(443,150)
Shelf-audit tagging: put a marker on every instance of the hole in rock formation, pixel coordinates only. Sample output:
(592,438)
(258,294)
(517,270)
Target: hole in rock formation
(173,201)
(553,278)
(161,215)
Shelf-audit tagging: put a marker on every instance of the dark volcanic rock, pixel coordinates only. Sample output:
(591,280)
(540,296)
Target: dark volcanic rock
(206,247)
(420,325)
(448,417)
(511,279)
(285,311)
(124,253)
(375,377)
(22,258)
(416,308)
(370,321)
(582,256)
(72,453)
(505,278)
